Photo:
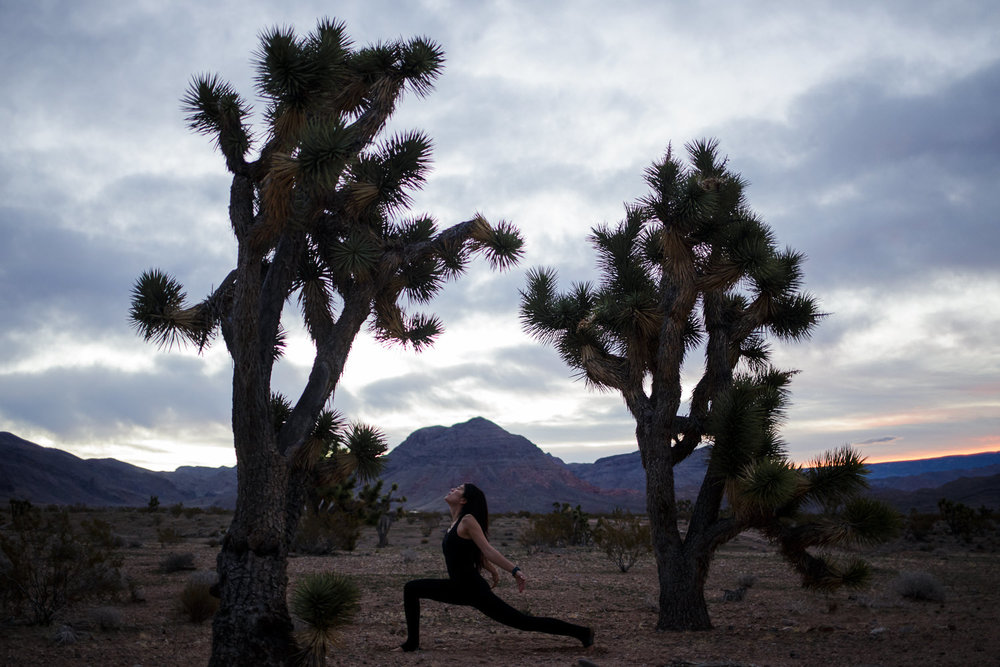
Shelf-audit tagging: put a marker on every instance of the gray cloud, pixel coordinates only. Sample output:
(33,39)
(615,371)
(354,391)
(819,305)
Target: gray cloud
(880,441)
(869,136)
(881,185)
(97,402)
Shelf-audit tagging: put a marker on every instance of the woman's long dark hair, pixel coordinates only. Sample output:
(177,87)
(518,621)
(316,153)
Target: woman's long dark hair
(475,504)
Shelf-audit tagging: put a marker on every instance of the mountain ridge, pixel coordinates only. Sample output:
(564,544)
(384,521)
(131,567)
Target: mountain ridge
(514,472)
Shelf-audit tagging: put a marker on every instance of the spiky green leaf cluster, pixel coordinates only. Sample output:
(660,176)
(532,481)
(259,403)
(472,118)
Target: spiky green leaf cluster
(214,108)
(325,602)
(159,315)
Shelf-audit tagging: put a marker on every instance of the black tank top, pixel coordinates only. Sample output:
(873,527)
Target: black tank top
(460,555)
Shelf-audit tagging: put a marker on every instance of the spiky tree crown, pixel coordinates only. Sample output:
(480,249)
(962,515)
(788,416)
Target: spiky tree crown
(691,240)
(326,185)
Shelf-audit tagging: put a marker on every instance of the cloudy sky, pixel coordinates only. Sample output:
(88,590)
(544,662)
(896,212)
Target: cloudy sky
(869,133)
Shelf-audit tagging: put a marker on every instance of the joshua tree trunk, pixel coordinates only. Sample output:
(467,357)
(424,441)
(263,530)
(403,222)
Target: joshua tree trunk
(252,625)
(681,563)
(682,575)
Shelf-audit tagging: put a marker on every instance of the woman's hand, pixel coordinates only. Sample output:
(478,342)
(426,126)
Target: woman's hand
(521,580)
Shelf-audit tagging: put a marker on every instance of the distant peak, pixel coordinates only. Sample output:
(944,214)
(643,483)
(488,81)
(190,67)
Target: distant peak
(477,421)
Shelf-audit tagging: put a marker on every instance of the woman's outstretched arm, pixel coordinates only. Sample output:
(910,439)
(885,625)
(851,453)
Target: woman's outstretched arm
(470,529)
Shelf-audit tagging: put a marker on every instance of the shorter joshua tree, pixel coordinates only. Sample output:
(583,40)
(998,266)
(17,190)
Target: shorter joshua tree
(378,509)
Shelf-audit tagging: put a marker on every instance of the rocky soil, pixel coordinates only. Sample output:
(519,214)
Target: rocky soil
(776,622)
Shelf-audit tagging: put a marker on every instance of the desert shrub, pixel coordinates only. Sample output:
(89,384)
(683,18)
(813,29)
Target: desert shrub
(19,508)
(168,535)
(196,601)
(135,590)
(562,526)
(623,537)
(684,508)
(154,504)
(177,562)
(106,618)
(428,522)
(963,521)
(920,586)
(176,510)
(99,532)
(45,564)
(920,526)
(323,532)
(64,636)
(323,602)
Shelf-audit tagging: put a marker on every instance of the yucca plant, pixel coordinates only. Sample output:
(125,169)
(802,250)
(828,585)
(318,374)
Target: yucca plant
(324,602)
(318,206)
(691,267)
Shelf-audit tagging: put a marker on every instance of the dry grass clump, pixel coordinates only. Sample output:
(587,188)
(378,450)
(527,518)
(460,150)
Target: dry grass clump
(197,603)
(107,618)
(177,562)
(920,586)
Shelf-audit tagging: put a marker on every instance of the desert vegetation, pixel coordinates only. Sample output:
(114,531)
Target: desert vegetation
(929,599)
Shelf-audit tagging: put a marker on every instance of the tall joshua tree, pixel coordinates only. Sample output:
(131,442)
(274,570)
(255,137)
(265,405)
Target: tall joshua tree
(317,218)
(692,267)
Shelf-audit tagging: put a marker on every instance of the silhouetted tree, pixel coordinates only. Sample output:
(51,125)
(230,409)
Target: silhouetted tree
(318,221)
(692,266)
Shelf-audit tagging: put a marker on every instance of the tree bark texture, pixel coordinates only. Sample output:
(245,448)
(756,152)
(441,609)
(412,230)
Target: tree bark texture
(252,626)
(681,563)
(682,573)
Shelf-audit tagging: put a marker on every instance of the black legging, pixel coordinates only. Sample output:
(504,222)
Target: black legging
(476,593)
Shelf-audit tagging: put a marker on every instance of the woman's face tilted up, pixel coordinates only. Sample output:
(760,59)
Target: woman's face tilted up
(456,496)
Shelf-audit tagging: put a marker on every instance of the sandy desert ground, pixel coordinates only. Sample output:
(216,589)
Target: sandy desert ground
(777,622)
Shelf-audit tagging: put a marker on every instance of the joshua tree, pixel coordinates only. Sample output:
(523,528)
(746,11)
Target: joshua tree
(317,218)
(689,266)
(378,509)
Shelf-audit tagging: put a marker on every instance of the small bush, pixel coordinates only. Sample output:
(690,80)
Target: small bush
(920,586)
(920,527)
(100,533)
(562,526)
(45,564)
(177,562)
(324,532)
(168,535)
(196,601)
(428,522)
(107,618)
(623,537)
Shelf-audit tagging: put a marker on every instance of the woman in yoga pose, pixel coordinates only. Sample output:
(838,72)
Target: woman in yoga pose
(466,551)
